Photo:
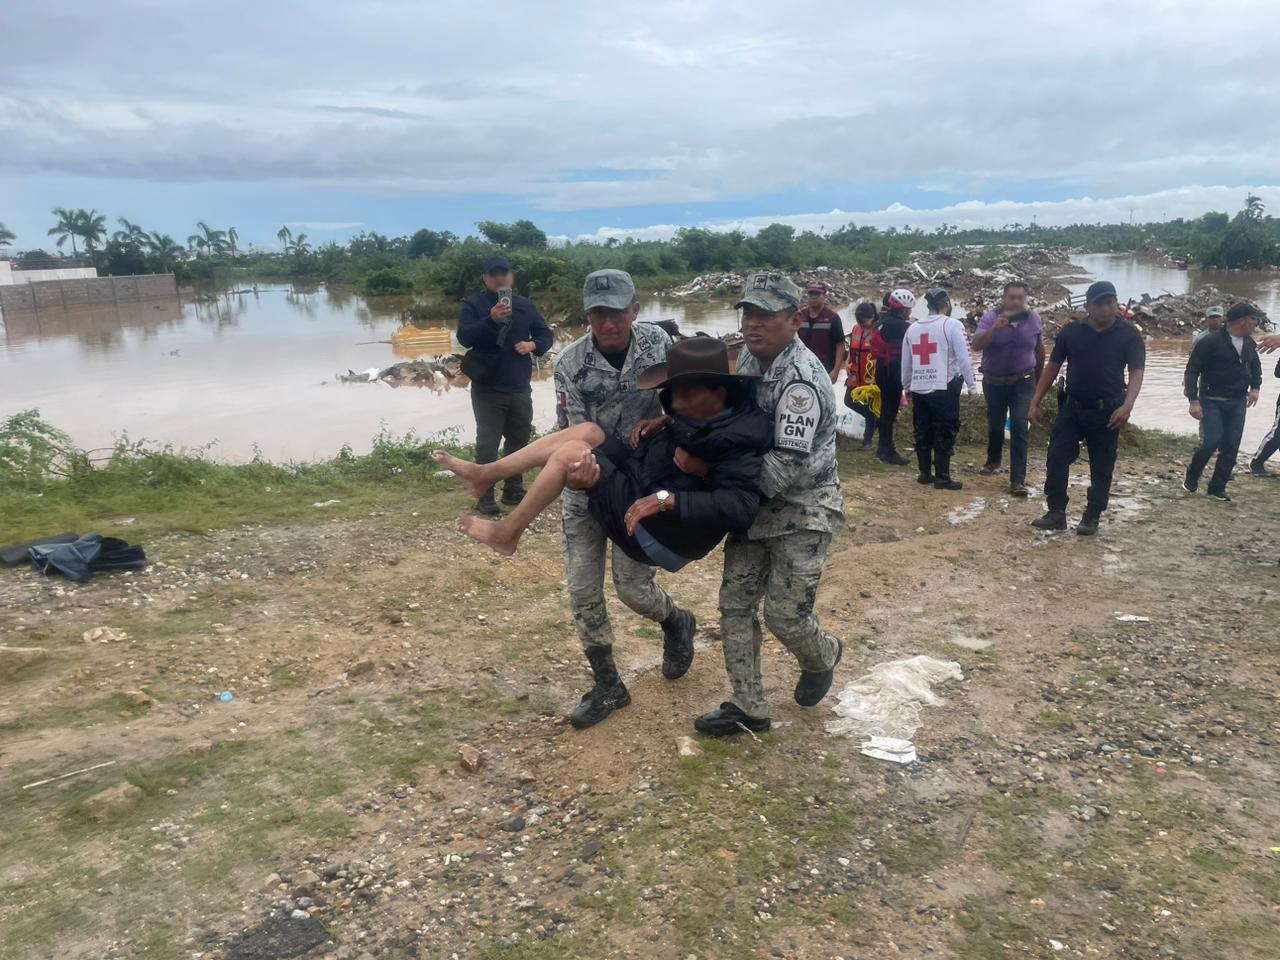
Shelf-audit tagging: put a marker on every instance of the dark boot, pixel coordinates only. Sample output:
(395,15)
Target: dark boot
(677,643)
(728,721)
(943,480)
(924,458)
(512,494)
(1053,520)
(1088,524)
(487,506)
(814,684)
(609,693)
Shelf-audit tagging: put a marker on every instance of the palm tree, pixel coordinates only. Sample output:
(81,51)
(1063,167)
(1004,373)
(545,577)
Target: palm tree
(132,235)
(214,240)
(7,236)
(93,228)
(299,246)
(164,248)
(232,237)
(67,228)
(196,243)
(284,235)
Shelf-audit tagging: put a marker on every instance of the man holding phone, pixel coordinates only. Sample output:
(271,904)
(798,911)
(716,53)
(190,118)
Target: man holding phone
(1011,340)
(501,331)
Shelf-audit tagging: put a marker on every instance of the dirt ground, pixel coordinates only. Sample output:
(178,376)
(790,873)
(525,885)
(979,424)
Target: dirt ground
(1094,787)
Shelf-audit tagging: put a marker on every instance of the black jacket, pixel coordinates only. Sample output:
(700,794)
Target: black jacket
(1214,369)
(508,371)
(707,508)
(892,328)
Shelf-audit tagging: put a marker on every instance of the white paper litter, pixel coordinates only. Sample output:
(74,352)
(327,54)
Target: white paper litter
(886,702)
(1132,618)
(891,749)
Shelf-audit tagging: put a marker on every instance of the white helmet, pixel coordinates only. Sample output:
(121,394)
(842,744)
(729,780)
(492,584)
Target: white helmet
(902,298)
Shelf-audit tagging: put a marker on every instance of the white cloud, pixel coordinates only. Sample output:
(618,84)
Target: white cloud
(323,226)
(1187,202)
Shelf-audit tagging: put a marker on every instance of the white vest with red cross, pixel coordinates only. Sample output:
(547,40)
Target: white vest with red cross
(930,354)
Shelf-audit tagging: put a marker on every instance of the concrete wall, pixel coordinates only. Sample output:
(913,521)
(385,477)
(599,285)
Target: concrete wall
(39,276)
(87,290)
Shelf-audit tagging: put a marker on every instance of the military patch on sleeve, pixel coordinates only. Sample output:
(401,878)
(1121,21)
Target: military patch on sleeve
(796,417)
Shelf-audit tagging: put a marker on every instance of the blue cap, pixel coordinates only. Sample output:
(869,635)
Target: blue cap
(495,263)
(1096,291)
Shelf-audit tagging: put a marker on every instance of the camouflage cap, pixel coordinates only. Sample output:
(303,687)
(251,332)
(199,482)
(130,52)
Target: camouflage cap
(770,291)
(613,289)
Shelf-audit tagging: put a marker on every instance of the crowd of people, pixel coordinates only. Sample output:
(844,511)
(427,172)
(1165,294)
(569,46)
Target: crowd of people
(665,449)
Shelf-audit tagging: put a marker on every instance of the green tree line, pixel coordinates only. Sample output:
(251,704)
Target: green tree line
(440,262)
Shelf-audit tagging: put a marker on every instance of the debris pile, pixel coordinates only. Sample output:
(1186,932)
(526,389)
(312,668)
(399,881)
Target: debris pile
(1181,314)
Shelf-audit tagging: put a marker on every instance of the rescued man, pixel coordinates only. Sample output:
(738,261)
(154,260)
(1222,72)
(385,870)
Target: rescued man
(822,330)
(780,558)
(595,382)
(1097,404)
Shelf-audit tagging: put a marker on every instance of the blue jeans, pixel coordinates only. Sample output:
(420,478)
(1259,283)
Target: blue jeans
(1010,401)
(1223,422)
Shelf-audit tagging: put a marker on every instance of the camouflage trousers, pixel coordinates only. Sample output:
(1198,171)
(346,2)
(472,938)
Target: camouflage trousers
(585,546)
(783,571)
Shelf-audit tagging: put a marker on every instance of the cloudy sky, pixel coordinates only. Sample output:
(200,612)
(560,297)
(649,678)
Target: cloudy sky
(609,119)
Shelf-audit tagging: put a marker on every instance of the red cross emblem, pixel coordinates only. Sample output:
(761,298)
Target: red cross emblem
(924,350)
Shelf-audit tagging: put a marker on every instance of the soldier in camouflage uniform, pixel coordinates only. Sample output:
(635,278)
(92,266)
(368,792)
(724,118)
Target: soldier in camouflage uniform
(780,558)
(596,383)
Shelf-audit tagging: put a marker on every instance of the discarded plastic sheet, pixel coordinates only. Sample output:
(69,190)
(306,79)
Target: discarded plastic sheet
(325,503)
(850,424)
(886,702)
(1132,618)
(891,749)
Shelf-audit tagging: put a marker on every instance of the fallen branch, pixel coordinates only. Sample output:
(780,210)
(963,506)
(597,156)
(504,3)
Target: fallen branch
(64,776)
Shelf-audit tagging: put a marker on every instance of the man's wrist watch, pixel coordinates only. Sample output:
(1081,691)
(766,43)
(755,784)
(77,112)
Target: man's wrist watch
(664,498)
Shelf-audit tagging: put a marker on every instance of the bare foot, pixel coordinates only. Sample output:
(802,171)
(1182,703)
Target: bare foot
(467,472)
(490,533)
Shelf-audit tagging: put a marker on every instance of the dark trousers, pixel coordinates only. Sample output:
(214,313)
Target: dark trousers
(1223,422)
(1271,442)
(890,401)
(1074,425)
(936,418)
(1011,401)
(502,417)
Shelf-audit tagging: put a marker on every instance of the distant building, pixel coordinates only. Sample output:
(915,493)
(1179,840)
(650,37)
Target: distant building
(13,272)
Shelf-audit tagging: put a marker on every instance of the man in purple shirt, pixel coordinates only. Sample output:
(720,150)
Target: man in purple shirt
(1011,339)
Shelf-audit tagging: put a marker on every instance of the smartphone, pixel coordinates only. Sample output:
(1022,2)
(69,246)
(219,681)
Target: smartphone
(504,295)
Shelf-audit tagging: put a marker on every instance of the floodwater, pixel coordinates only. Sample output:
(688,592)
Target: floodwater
(256,370)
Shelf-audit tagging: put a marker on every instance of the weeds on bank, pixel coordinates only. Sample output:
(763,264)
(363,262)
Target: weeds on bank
(47,485)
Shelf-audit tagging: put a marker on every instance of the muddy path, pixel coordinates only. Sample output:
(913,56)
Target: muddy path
(1095,786)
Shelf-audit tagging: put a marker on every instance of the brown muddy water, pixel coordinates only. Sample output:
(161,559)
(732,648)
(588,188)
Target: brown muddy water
(257,371)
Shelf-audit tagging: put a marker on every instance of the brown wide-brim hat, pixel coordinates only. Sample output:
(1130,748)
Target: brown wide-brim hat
(696,360)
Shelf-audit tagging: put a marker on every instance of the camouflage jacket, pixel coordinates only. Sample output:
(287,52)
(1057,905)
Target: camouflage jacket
(800,478)
(589,390)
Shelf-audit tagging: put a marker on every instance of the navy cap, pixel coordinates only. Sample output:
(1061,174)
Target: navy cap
(1241,310)
(937,297)
(495,263)
(1096,291)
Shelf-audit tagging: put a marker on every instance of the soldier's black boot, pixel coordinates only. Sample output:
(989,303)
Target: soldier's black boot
(609,693)
(1088,524)
(814,684)
(677,643)
(728,721)
(487,506)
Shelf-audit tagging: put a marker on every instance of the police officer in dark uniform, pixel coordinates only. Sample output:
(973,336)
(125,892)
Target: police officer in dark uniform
(1097,403)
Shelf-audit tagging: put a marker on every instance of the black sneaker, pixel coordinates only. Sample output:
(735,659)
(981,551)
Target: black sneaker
(1190,484)
(1053,520)
(729,721)
(597,703)
(677,644)
(866,445)
(1220,495)
(924,479)
(1018,489)
(814,684)
(487,508)
(946,483)
(512,499)
(987,469)
(894,459)
(1088,524)
(1258,469)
